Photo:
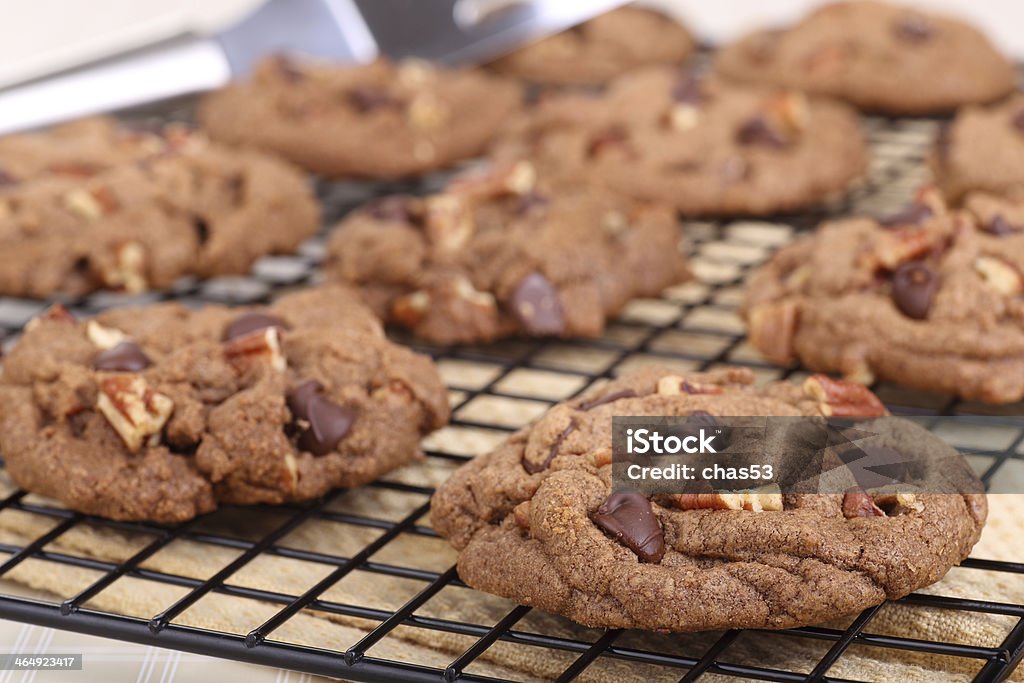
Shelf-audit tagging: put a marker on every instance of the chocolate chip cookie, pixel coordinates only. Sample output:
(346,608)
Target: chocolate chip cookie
(598,50)
(696,142)
(499,254)
(879,56)
(161,413)
(381,120)
(929,297)
(96,205)
(983,149)
(537,521)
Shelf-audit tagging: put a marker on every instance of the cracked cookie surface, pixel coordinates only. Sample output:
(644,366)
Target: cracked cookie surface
(95,205)
(499,253)
(982,150)
(554,536)
(879,56)
(380,120)
(160,413)
(600,49)
(930,298)
(694,142)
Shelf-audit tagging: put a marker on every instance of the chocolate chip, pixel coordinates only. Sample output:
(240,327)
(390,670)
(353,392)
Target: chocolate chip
(609,137)
(913,288)
(389,209)
(608,398)
(202,228)
(1018,120)
(532,468)
(530,201)
(288,69)
(915,214)
(328,425)
(536,305)
(688,90)
(125,357)
(298,398)
(251,322)
(368,98)
(760,131)
(630,520)
(914,28)
(1000,226)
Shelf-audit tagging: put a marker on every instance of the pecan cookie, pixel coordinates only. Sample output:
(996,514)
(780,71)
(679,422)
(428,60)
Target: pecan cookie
(496,255)
(879,56)
(536,520)
(703,145)
(598,50)
(381,120)
(982,149)
(930,298)
(96,205)
(161,413)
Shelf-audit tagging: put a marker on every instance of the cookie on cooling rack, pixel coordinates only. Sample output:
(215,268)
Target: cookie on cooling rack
(161,413)
(598,50)
(930,298)
(499,254)
(695,142)
(380,120)
(536,520)
(96,205)
(982,149)
(879,56)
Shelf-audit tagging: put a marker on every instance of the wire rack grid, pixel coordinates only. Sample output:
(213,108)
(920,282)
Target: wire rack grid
(693,327)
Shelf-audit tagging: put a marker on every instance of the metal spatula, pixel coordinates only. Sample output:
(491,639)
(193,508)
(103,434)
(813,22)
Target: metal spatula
(449,31)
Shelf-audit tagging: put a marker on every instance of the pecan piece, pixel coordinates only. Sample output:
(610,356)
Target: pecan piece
(135,411)
(840,398)
(858,503)
(999,275)
(768,499)
(898,503)
(128,271)
(104,337)
(449,221)
(410,310)
(772,329)
(54,312)
(261,346)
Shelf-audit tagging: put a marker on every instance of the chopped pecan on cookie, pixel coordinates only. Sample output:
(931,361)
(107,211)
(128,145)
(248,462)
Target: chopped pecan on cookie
(928,297)
(500,253)
(154,206)
(537,519)
(161,413)
(379,120)
(694,141)
(838,48)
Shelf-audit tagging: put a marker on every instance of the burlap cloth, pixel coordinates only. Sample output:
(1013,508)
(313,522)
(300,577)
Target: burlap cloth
(138,597)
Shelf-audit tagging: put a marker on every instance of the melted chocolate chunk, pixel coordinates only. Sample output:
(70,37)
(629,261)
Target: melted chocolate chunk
(914,28)
(367,99)
(760,131)
(1000,226)
(913,289)
(688,89)
(915,214)
(389,209)
(202,228)
(125,357)
(630,520)
(536,305)
(328,425)
(534,469)
(288,69)
(1018,121)
(252,322)
(608,398)
(299,398)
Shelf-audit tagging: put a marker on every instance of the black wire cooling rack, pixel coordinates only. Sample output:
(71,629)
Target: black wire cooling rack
(694,326)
